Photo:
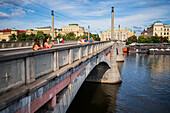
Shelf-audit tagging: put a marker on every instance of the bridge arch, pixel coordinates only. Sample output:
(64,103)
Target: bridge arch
(97,72)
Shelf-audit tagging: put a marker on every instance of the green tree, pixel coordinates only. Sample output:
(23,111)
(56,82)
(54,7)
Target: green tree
(70,36)
(40,35)
(95,37)
(128,42)
(165,39)
(148,40)
(3,40)
(22,37)
(156,39)
(141,39)
(12,37)
(132,38)
(83,36)
(30,37)
(58,36)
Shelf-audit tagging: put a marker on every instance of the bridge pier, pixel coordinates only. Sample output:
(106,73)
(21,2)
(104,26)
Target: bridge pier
(112,75)
(120,57)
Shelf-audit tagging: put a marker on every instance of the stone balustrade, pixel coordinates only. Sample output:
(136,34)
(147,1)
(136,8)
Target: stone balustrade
(24,68)
(23,44)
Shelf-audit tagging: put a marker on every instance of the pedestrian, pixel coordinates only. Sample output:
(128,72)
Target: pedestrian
(85,40)
(58,41)
(37,45)
(62,41)
(79,41)
(45,43)
(91,40)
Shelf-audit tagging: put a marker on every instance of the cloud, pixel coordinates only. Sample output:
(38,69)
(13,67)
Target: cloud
(18,24)
(153,3)
(137,29)
(6,3)
(4,15)
(30,11)
(86,1)
(18,12)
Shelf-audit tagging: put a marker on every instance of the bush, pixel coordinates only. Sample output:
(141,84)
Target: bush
(3,40)
(128,42)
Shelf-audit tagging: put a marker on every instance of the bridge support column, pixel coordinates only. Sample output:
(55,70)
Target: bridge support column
(112,75)
(120,57)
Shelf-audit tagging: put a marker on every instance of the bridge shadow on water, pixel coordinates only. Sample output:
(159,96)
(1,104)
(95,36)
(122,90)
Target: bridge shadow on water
(96,97)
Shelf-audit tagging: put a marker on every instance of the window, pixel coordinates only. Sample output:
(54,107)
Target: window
(167,33)
(155,28)
(161,28)
(164,29)
(161,33)
(167,29)
(164,33)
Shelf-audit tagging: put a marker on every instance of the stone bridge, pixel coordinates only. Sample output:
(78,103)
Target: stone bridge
(48,80)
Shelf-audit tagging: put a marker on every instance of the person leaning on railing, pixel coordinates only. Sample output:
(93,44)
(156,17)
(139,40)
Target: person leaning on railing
(81,41)
(91,40)
(45,43)
(37,45)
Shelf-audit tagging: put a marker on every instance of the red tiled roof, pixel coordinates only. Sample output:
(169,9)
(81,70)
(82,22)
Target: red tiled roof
(21,31)
(9,30)
(5,30)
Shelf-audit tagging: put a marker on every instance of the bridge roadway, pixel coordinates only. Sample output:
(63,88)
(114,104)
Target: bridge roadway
(17,50)
(49,79)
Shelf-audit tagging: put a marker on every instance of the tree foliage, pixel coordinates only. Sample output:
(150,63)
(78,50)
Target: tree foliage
(12,37)
(25,37)
(154,39)
(72,36)
(132,38)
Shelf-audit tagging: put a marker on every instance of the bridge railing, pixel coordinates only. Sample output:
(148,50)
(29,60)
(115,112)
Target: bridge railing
(24,68)
(13,44)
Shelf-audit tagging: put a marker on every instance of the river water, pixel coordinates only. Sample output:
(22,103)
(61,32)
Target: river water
(145,88)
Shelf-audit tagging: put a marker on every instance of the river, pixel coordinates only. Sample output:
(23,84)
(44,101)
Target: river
(145,88)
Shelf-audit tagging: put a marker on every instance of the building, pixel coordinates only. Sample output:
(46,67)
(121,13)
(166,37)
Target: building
(124,34)
(78,31)
(159,29)
(4,34)
(45,30)
(144,33)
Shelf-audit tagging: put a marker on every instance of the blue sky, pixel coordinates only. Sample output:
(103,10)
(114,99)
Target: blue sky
(133,14)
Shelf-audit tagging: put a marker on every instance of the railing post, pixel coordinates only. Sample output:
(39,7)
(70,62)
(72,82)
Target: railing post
(95,48)
(80,53)
(70,56)
(54,61)
(57,60)
(91,49)
(87,53)
(30,77)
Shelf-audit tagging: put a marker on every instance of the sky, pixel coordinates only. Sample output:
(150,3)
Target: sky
(132,14)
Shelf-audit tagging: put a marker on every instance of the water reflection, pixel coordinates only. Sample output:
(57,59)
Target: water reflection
(95,98)
(145,88)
